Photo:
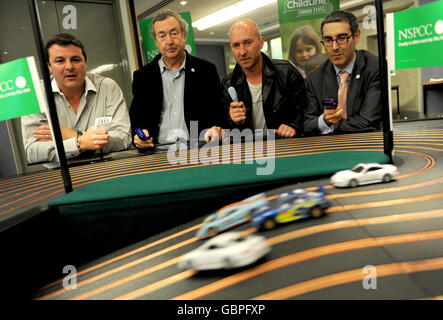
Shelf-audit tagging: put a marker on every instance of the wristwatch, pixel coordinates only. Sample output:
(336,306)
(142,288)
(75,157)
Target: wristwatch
(79,133)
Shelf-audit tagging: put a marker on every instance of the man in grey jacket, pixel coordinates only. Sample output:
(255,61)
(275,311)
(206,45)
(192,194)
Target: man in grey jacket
(83,101)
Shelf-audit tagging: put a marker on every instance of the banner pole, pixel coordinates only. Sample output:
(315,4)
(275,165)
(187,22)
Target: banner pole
(50,96)
(388,137)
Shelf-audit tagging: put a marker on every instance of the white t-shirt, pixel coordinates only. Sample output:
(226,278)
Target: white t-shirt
(258,117)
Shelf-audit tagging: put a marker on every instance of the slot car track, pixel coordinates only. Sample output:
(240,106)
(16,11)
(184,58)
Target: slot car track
(19,194)
(396,227)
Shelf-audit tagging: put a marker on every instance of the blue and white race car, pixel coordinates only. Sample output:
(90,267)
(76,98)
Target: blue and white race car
(231,216)
(293,205)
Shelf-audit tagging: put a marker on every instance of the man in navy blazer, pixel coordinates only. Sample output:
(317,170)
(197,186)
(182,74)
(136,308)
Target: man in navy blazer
(362,112)
(174,89)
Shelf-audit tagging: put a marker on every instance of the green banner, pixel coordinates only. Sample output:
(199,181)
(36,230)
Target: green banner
(306,14)
(418,36)
(20,90)
(150,48)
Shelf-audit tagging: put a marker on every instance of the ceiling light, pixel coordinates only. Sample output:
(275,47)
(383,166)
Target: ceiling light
(183,3)
(230,12)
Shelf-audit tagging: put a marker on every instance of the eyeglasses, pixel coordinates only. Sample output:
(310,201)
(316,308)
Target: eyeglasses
(328,42)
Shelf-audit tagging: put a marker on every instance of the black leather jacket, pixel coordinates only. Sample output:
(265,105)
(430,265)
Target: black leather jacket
(284,95)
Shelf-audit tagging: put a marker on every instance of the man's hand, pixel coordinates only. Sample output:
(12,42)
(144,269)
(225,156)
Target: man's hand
(43,133)
(93,139)
(333,116)
(237,112)
(285,131)
(214,134)
(139,143)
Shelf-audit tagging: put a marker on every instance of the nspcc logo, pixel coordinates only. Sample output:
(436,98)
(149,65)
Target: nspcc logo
(20,82)
(424,30)
(439,27)
(12,88)
(18,94)
(8,85)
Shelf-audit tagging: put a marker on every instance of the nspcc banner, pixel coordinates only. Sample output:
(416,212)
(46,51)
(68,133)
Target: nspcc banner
(20,90)
(418,37)
(302,19)
(149,44)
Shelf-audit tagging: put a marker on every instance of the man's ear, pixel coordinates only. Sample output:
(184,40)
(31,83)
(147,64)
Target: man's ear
(357,36)
(262,42)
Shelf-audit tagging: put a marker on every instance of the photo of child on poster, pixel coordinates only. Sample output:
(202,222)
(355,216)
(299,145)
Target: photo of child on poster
(300,22)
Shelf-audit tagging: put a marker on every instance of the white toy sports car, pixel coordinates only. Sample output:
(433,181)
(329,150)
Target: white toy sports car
(226,251)
(365,173)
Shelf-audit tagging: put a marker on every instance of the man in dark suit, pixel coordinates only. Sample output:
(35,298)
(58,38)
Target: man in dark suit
(350,76)
(174,89)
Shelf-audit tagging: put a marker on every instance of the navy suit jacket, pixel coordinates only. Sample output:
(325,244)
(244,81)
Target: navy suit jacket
(363,99)
(202,96)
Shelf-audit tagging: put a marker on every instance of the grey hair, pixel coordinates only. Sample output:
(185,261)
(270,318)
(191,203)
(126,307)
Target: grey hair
(341,16)
(165,15)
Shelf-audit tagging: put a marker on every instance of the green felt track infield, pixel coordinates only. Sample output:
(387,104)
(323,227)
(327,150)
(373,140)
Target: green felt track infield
(201,182)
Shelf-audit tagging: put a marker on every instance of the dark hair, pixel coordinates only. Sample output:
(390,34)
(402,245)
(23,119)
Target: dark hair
(65,39)
(165,15)
(308,35)
(341,16)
